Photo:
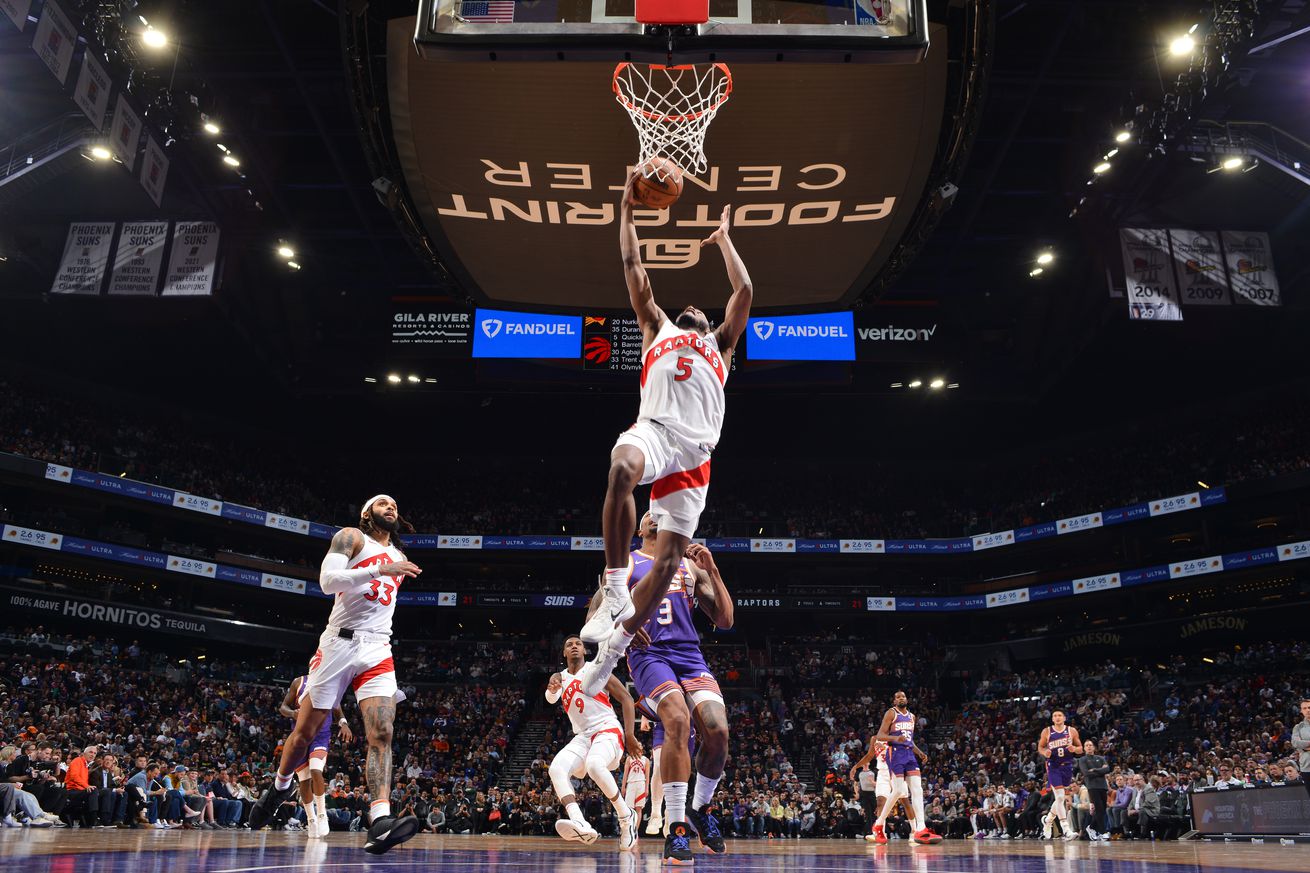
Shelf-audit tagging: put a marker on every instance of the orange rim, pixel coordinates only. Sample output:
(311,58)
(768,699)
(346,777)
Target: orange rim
(631,107)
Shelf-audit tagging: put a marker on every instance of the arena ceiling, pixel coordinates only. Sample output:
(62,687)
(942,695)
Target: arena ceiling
(1063,75)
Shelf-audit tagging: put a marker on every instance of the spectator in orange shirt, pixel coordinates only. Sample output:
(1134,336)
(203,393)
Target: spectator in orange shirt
(77,783)
(441,744)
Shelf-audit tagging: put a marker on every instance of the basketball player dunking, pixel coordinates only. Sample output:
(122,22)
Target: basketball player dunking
(897,731)
(596,748)
(1058,744)
(313,787)
(363,570)
(669,671)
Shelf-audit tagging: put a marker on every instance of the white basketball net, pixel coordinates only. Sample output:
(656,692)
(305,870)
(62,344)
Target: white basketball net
(672,108)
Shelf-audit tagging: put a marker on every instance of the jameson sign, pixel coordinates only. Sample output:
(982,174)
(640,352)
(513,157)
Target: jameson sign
(133,618)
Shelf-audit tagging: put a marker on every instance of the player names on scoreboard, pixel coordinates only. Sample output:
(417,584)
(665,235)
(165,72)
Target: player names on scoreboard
(611,344)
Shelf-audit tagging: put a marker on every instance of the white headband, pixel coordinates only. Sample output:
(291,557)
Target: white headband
(374,499)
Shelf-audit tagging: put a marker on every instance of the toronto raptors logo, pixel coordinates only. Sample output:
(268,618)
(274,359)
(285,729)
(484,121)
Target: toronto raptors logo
(316,660)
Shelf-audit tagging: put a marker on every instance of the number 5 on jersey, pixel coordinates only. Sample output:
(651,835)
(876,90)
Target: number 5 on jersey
(684,372)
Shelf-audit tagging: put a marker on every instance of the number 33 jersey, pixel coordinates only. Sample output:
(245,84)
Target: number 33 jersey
(369,606)
(682,378)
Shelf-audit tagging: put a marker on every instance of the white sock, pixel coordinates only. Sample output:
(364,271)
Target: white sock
(379,809)
(675,802)
(282,783)
(704,792)
(575,812)
(616,578)
(619,640)
(320,803)
(620,806)
(916,800)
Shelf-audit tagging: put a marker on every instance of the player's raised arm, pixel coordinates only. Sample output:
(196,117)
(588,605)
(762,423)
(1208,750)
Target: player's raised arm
(739,304)
(616,690)
(711,594)
(289,703)
(868,756)
(333,577)
(649,316)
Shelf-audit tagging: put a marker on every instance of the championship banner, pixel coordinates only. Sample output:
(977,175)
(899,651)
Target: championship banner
(125,132)
(1152,293)
(16,11)
(92,93)
(139,258)
(1199,265)
(194,262)
(154,172)
(55,40)
(86,255)
(1251,268)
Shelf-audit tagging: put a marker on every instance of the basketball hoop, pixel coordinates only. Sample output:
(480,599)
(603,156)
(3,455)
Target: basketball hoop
(672,108)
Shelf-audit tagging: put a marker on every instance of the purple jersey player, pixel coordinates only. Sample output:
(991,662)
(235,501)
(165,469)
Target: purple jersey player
(1058,744)
(670,673)
(656,823)
(309,770)
(903,757)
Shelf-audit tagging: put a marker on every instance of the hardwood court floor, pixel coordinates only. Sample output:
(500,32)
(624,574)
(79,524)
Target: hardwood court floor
(119,851)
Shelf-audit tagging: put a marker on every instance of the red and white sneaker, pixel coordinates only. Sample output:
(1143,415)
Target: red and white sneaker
(926,837)
(876,836)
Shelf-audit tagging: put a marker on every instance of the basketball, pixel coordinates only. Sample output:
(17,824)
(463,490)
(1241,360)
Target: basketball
(659,184)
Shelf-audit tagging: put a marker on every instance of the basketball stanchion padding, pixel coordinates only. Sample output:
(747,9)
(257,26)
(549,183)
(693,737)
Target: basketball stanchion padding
(673,12)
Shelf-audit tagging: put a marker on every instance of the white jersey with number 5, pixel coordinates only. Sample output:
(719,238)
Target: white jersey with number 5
(589,715)
(682,378)
(369,606)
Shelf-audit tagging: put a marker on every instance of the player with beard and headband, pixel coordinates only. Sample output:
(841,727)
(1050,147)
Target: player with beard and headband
(671,676)
(684,367)
(363,571)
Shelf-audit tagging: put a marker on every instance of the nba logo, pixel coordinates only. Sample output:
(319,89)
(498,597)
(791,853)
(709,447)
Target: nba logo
(55,41)
(92,90)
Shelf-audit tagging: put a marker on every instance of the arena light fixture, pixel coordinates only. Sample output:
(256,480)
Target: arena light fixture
(370,380)
(100,153)
(898,385)
(1202,484)
(937,384)
(1102,167)
(412,379)
(1111,153)
(231,160)
(1232,163)
(1184,44)
(917,383)
(1122,137)
(393,378)
(430,380)
(1035,272)
(293,265)
(1045,257)
(953,385)
(212,129)
(285,251)
(155,39)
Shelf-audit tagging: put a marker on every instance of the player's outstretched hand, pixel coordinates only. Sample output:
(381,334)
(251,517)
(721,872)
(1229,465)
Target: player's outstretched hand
(346,734)
(700,556)
(721,232)
(402,569)
(642,638)
(633,745)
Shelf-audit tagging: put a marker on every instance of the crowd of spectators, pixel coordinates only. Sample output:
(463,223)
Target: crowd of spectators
(100,732)
(509,496)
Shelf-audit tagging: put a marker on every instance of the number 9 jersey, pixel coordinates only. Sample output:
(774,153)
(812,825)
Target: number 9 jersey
(370,606)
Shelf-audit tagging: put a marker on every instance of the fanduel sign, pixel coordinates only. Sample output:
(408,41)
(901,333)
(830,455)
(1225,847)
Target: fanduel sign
(501,334)
(826,337)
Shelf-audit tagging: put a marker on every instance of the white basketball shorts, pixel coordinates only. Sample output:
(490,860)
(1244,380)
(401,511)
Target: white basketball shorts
(678,476)
(362,664)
